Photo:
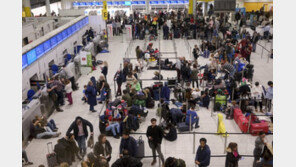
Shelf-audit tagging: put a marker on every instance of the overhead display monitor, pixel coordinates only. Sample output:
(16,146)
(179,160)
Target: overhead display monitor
(53,41)
(24,61)
(174,2)
(31,56)
(141,2)
(109,3)
(161,2)
(73,28)
(169,2)
(39,50)
(60,37)
(46,46)
(65,34)
(116,3)
(89,4)
(69,30)
(224,5)
(134,2)
(127,3)
(82,3)
(100,3)
(186,1)
(76,4)
(180,2)
(153,2)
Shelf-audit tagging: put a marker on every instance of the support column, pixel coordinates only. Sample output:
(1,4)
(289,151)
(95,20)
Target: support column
(47,5)
(147,6)
(27,7)
(194,9)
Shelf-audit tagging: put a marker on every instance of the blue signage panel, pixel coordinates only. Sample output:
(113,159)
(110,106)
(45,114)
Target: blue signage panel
(39,50)
(134,2)
(65,34)
(46,46)
(100,3)
(76,4)
(161,2)
(174,2)
(24,61)
(59,37)
(69,30)
(141,2)
(109,3)
(88,3)
(53,41)
(127,3)
(31,56)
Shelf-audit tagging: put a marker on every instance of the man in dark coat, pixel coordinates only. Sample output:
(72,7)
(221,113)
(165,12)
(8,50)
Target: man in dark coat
(155,134)
(79,126)
(128,143)
(165,31)
(127,161)
(91,95)
(203,154)
(165,92)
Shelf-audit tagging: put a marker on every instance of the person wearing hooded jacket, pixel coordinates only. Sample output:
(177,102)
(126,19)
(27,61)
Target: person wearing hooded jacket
(79,126)
(91,94)
(203,154)
(232,156)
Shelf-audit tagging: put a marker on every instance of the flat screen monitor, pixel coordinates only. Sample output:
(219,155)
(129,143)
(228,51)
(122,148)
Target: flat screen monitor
(39,50)
(109,3)
(46,46)
(24,61)
(31,56)
(141,2)
(161,2)
(153,2)
(60,37)
(53,41)
(127,3)
(73,28)
(169,2)
(134,2)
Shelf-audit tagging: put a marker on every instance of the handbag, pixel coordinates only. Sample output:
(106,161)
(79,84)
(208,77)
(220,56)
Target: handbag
(90,142)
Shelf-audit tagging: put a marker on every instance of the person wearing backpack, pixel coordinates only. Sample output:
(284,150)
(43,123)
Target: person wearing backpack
(128,143)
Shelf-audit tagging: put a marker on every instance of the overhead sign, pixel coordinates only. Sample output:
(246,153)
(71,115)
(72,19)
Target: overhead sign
(105,10)
(190,7)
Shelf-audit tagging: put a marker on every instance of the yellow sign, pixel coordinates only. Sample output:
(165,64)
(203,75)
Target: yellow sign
(190,7)
(27,11)
(105,5)
(105,14)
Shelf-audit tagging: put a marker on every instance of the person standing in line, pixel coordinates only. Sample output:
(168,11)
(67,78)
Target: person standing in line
(203,154)
(195,52)
(194,75)
(79,126)
(68,89)
(119,80)
(105,69)
(260,142)
(91,95)
(269,95)
(257,92)
(232,156)
(178,69)
(155,134)
(103,148)
(70,76)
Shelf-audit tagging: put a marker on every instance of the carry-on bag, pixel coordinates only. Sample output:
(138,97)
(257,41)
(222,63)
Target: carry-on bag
(182,127)
(51,156)
(141,149)
(243,124)
(237,113)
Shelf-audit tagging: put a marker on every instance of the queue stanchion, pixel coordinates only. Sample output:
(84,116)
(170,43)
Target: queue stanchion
(193,142)
(261,51)
(225,142)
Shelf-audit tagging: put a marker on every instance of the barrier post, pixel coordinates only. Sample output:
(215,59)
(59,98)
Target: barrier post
(249,123)
(261,51)
(193,142)
(225,143)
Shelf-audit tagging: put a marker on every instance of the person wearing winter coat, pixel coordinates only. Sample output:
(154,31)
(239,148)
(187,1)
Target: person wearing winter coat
(128,143)
(79,126)
(174,162)
(232,156)
(119,78)
(103,148)
(105,69)
(91,94)
(203,154)
(127,161)
(165,92)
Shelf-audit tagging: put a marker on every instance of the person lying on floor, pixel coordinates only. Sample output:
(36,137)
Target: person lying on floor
(43,132)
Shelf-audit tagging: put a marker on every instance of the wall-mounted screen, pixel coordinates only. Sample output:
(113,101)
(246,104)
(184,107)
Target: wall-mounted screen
(53,41)
(141,2)
(134,2)
(69,31)
(65,34)
(127,3)
(24,61)
(59,38)
(46,46)
(109,3)
(31,56)
(39,50)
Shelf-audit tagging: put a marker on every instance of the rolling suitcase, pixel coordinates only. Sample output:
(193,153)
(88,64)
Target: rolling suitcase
(141,149)
(182,127)
(243,124)
(237,113)
(255,128)
(51,157)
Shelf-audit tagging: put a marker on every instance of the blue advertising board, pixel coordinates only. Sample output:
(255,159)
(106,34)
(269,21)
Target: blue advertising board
(39,50)
(134,2)
(127,3)
(31,56)
(65,34)
(59,37)
(24,61)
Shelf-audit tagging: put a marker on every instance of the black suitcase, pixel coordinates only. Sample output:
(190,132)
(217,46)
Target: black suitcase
(140,148)
(51,157)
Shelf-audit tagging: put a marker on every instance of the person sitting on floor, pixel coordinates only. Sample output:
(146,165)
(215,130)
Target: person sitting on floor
(172,133)
(157,76)
(41,132)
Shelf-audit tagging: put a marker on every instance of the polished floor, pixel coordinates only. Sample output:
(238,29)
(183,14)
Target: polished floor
(185,146)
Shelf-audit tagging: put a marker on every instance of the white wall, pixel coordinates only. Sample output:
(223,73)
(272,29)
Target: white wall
(42,10)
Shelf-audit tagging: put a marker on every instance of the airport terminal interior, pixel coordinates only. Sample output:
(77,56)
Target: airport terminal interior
(147,83)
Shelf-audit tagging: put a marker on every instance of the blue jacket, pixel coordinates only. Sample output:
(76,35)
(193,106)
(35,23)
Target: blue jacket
(91,94)
(193,117)
(203,155)
(129,144)
(165,93)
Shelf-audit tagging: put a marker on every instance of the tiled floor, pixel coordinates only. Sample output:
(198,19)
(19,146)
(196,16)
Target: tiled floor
(183,147)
